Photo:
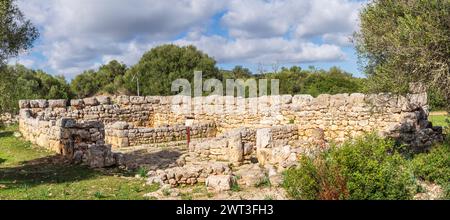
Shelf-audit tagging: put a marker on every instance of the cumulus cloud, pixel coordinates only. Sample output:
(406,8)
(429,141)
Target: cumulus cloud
(266,50)
(82,34)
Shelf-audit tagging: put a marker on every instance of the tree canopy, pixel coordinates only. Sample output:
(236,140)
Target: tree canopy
(404,41)
(159,67)
(107,79)
(17,82)
(16,32)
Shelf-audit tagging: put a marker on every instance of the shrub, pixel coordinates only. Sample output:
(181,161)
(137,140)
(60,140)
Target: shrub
(374,170)
(366,168)
(301,183)
(315,179)
(435,167)
(142,172)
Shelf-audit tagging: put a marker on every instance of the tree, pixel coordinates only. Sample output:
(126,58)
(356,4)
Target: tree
(16,32)
(107,79)
(85,84)
(160,66)
(18,82)
(404,41)
(238,72)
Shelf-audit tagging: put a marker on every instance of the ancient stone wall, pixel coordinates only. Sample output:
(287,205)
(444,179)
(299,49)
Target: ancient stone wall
(123,134)
(9,119)
(130,121)
(79,142)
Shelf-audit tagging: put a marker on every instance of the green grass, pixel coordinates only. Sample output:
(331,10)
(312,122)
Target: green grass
(27,172)
(439,120)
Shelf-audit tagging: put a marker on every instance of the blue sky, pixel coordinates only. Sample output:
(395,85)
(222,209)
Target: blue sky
(84,34)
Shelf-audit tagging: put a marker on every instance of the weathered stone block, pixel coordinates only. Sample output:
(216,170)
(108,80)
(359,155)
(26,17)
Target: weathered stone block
(152,99)
(103,100)
(220,182)
(40,103)
(123,100)
(137,100)
(120,125)
(263,138)
(286,99)
(90,101)
(24,104)
(99,156)
(77,103)
(59,103)
(338,100)
(235,148)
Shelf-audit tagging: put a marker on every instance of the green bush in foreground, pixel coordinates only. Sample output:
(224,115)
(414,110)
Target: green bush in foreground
(366,168)
(435,167)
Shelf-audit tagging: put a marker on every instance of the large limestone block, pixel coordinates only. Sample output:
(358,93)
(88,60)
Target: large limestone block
(59,103)
(418,100)
(220,182)
(104,100)
(356,99)
(90,101)
(286,99)
(338,100)
(235,148)
(40,103)
(251,175)
(302,100)
(153,99)
(120,125)
(99,156)
(137,100)
(321,102)
(24,104)
(77,103)
(263,138)
(123,100)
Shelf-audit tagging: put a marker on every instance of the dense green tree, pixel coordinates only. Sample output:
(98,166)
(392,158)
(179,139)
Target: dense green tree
(404,41)
(16,32)
(238,72)
(107,79)
(316,82)
(85,85)
(159,67)
(18,82)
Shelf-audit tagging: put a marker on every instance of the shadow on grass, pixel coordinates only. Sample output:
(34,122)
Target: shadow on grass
(152,160)
(2,160)
(45,170)
(6,134)
(54,170)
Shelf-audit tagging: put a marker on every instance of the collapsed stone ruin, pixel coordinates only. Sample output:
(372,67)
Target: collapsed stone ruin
(133,131)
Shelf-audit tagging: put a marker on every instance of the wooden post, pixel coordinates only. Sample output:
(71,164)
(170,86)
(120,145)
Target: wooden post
(188,131)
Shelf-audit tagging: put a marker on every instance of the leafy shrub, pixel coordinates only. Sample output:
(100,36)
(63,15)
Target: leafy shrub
(437,100)
(301,183)
(315,179)
(435,167)
(374,170)
(366,168)
(142,172)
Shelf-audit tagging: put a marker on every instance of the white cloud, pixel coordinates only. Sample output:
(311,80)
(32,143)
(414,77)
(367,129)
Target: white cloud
(265,50)
(82,34)
(26,62)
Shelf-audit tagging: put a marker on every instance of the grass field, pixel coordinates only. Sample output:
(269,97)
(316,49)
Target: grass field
(439,120)
(30,173)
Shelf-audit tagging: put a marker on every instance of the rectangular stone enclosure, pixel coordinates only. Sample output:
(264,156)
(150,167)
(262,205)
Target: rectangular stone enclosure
(74,127)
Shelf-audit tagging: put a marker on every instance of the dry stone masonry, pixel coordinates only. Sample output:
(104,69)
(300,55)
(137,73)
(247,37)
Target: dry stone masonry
(271,131)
